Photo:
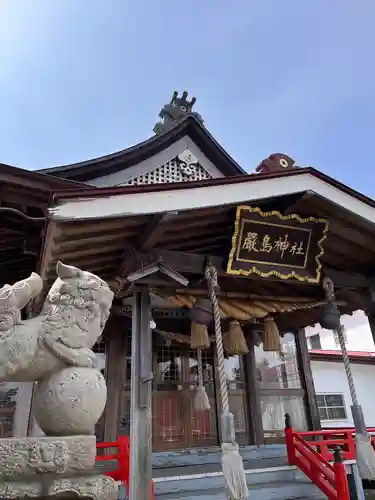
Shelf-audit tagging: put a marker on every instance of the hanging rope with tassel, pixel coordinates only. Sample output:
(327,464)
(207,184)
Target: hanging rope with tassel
(270,335)
(201,401)
(199,338)
(364,450)
(231,460)
(235,341)
(201,316)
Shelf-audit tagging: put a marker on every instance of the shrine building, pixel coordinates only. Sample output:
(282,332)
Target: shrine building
(149,220)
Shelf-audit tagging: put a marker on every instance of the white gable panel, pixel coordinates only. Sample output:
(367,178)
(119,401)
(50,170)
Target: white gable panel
(160,161)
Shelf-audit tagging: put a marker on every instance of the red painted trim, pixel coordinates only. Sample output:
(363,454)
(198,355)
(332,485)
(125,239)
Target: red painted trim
(355,354)
(122,473)
(331,355)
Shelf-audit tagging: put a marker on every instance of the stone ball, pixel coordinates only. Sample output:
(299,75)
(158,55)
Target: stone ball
(70,402)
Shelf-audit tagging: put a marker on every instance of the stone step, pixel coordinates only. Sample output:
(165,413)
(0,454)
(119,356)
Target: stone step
(273,491)
(253,457)
(195,461)
(280,483)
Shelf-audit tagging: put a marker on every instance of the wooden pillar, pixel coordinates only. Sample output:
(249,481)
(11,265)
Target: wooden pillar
(140,405)
(23,409)
(255,414)
(115,334)
(371,321)
(307,380)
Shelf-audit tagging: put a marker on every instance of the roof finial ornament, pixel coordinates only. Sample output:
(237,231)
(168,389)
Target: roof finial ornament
(276,162)
(176,110)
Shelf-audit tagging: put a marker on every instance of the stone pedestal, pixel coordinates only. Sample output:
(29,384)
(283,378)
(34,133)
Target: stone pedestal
(52,467)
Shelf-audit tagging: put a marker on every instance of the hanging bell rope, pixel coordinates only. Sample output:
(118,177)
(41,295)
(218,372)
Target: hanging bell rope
(231,460)
(201,401)
(364,450)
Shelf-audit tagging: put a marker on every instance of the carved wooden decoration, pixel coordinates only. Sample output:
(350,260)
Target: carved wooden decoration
(276,162)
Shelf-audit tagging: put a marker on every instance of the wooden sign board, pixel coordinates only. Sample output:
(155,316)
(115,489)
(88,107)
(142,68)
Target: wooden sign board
(271,244)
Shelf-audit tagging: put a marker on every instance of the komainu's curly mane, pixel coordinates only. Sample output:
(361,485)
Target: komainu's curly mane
(72,319)
(10,315)
(79,305)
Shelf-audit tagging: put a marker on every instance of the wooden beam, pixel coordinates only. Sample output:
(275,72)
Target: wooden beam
(209,240)
(154,230)
(343,279)
(305,197)
(145,242)
(182,262)
(155,269)
(186,262)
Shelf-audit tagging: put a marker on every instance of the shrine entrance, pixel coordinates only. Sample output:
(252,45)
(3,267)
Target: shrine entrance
(176,424)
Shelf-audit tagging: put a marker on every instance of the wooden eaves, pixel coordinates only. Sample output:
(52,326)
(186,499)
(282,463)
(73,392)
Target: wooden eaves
(141,230)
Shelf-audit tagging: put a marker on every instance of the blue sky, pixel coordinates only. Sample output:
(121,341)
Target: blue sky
(83,78)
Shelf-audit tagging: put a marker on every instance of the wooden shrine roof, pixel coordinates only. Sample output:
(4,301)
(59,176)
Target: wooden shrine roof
(110,246)
(109,164)
(24,200)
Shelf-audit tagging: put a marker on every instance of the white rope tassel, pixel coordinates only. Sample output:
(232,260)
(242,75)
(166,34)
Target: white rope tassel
(231,460)
(232,465)
(201,401)
(364,450)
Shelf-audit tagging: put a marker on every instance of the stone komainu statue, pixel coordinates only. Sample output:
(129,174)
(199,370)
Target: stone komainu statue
(55,348)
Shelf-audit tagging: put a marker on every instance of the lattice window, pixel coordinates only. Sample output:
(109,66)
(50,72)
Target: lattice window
(100,351)
(8,393)
(331,406)
(100,346)
(171,172)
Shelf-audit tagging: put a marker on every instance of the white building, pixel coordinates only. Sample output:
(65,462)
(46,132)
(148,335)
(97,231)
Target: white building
(330,381)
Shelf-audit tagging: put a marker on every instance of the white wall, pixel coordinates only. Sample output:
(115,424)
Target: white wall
(329,378)
(359,337)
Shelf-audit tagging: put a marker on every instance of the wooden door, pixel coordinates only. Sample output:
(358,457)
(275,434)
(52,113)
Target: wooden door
(201,426)
(169,409)
(176,424)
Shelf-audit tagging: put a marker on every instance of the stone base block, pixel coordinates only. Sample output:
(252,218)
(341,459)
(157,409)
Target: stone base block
(95,487)
(27,457)
(52,468)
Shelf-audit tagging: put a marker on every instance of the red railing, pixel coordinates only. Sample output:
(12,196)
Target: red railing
(122,456)
(331,479)
(326,441)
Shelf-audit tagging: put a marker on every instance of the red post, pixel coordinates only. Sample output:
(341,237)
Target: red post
(123,460)
(341,479)
(289,432)
(351,446)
